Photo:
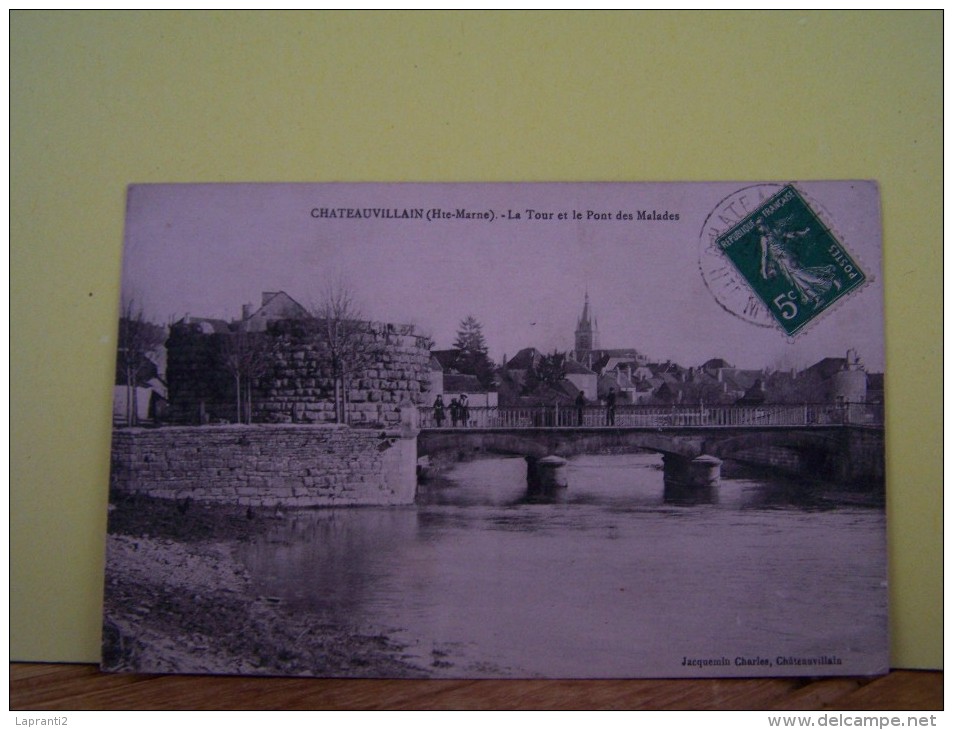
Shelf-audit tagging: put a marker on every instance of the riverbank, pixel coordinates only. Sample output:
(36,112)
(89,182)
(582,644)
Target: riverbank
(177,600)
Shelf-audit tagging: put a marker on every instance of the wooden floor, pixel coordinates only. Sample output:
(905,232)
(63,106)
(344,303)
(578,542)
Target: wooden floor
(84,687)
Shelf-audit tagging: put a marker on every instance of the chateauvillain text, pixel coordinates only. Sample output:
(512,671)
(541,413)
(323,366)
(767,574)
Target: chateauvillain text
(491,215)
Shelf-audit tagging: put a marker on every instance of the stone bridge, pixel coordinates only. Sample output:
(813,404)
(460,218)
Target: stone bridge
(838,443)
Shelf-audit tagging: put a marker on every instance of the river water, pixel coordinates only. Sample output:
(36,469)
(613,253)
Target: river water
(612,578)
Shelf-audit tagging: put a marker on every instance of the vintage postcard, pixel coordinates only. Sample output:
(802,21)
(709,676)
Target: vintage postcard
(499,430)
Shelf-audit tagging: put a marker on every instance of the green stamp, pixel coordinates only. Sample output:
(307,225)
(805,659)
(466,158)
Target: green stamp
(790,259)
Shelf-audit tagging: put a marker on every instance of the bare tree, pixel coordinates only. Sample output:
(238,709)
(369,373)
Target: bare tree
(138,338)
(246,356)
(350,342)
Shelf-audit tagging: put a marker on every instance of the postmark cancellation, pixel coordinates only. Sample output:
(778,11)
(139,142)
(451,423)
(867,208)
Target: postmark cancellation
(789,258)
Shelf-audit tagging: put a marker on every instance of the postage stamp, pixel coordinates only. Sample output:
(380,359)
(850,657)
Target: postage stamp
(790,259)
(728,287)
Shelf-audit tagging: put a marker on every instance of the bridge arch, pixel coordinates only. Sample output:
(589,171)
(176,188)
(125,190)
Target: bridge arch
(727,445)
(565,443)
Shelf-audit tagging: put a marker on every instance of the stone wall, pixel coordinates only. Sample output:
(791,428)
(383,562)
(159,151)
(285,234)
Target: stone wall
(866,454)
(851,455)
(294,381)
(299,387)
(787,460)
(268,465)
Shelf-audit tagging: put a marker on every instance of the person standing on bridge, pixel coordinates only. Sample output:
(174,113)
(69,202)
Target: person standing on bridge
(464,410)
(610,407)
(454,411)
(580,404)
(438,414)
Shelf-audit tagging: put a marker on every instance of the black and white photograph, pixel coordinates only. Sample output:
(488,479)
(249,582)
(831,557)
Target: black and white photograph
(499,430)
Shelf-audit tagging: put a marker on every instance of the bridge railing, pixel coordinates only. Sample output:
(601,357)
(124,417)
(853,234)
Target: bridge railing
(702,416)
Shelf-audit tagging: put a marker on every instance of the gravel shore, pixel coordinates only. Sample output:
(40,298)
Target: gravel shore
(178,601)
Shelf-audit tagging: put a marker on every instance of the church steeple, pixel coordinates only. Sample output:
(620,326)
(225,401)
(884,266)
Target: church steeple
(587,334)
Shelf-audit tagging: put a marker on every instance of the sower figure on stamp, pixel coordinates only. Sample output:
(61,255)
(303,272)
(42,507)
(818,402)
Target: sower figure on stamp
(464,410)
(810,282)
(580,404)
(438,414)
(610,407)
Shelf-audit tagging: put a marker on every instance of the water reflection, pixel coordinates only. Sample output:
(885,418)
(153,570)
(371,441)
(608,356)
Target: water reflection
(614,576)
(328,562)
(681,494)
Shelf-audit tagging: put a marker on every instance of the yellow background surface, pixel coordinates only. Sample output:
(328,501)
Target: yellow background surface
(99,100)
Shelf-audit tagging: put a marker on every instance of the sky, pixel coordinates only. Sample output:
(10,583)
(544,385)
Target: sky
(204,250)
